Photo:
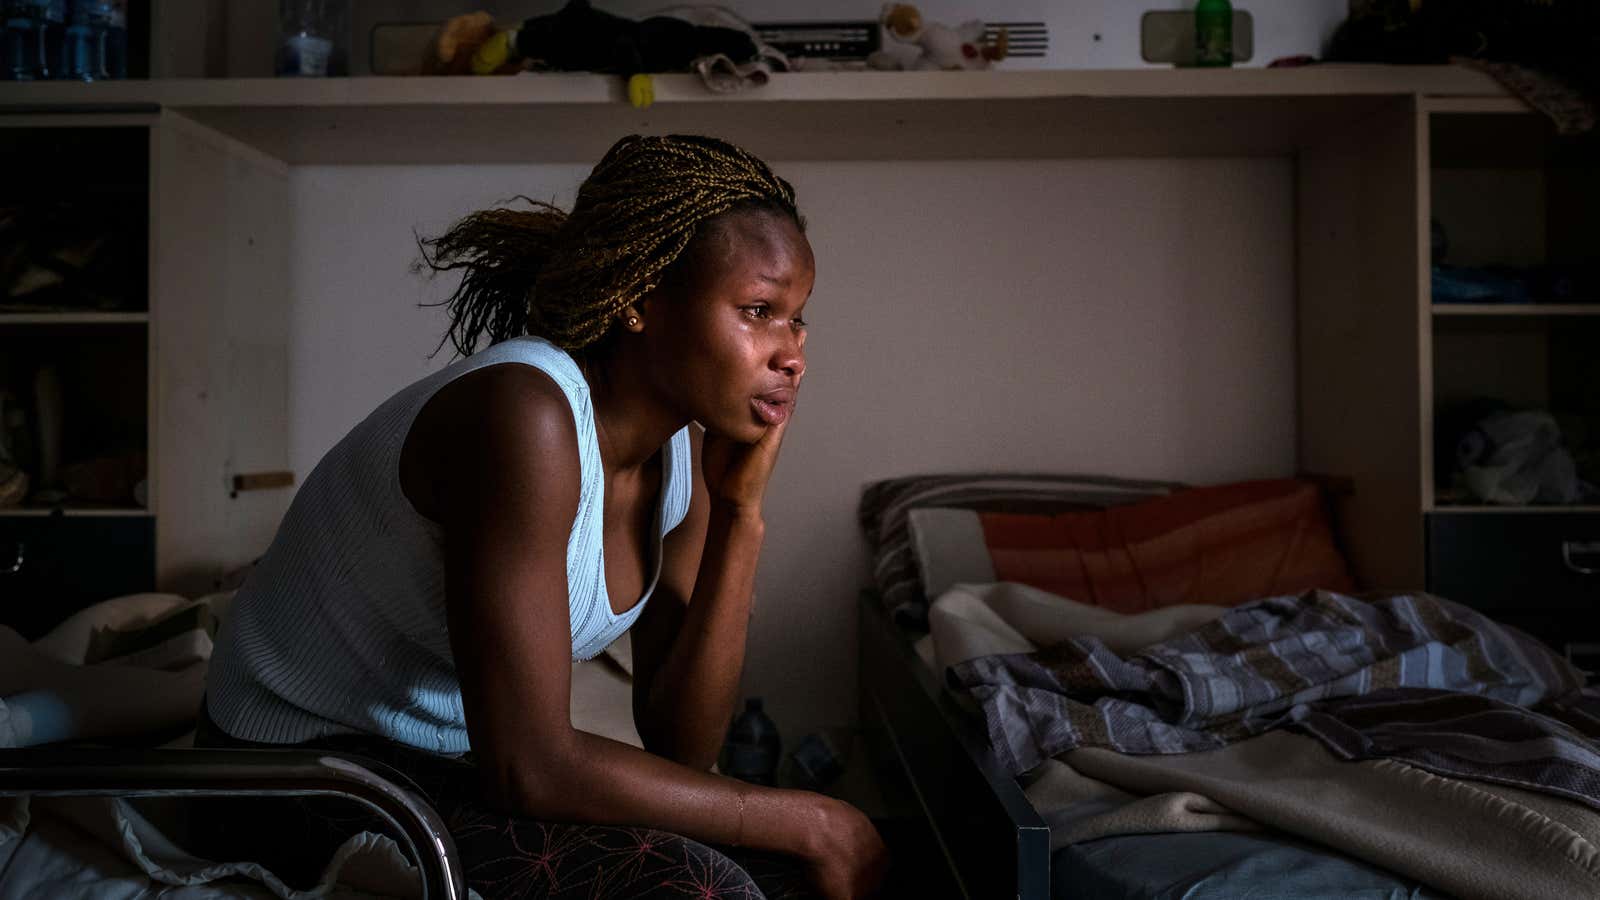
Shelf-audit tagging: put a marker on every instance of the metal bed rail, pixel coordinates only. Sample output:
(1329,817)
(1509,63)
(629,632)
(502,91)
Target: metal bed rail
(78,772)
(993,840)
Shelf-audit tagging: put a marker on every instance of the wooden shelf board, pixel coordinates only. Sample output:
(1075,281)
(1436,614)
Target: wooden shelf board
(73,318)
(800,115)
(1510,510)
(1475,106)
(70,512)
(1516,309)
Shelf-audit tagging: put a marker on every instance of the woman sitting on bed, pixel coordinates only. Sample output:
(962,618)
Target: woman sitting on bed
(447,560)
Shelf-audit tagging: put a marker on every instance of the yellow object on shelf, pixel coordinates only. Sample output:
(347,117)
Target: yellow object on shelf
(641,91)
(492,54)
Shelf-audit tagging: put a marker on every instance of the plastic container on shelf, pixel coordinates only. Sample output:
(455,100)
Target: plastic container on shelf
(85,43)
(1213,20)
(32,38)
(114,40)
(313,38)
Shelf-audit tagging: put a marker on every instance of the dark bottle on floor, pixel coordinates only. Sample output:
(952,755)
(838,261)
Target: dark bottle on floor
(753,748)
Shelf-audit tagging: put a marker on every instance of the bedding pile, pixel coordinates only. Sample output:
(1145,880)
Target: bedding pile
(1403,729)
(1339,667)
(133,668)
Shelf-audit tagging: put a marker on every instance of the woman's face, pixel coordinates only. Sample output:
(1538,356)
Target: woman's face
(727,345)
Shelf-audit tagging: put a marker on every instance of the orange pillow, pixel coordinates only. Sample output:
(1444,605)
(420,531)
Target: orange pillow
(1221,545)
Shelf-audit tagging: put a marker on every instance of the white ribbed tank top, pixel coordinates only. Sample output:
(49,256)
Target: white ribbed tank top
(341,626)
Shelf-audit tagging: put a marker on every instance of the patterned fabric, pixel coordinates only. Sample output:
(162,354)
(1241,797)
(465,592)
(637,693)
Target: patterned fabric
(1258,666)
(1555,749)
(1218,545)
(506,857)
(503,856)
(1569,108)
(886,504)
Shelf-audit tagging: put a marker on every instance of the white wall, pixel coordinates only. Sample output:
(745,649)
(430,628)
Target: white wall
(1127,317)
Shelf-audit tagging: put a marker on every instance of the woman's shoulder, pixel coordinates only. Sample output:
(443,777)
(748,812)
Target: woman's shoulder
(524,388)
(533,353)
(506,401)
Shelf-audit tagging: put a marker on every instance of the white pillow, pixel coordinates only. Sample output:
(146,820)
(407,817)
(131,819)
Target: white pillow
(69,641)
(949,549)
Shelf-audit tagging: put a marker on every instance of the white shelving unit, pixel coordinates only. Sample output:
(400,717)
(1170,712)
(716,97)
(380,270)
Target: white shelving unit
(1514,309)
(194,373)
(826,115)
(1359,136)
(75,318)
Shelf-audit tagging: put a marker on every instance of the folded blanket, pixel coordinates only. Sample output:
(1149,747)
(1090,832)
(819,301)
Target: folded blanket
(1474,841)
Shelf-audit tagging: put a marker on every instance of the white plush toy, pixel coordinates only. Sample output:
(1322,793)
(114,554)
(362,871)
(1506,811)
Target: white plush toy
(933,46)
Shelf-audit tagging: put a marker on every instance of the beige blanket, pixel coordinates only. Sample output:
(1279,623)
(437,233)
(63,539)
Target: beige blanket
(1471,839)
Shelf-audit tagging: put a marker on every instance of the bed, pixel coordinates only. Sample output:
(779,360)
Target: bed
(1003,826)
(99,778)
(105,809)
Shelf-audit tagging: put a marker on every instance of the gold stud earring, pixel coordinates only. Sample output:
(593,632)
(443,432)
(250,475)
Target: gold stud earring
(632,321)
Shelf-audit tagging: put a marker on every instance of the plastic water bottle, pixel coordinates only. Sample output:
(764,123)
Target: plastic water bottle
(1213,33)
(312,38)
(114,41)
(84,47)
(32,37)
(753,748)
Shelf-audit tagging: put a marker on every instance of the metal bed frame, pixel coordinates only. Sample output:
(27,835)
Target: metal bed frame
(993,841)
(74,772)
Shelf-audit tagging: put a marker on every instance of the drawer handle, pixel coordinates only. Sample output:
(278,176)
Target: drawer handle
(1587,551)
(261,481)
(21,560)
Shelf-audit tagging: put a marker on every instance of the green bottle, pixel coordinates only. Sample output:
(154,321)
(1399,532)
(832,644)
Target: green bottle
(1213,33)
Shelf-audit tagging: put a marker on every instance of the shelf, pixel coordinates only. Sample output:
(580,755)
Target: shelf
(74,318)
(1516,309)
(132,512)
(802,115)
(1513,510)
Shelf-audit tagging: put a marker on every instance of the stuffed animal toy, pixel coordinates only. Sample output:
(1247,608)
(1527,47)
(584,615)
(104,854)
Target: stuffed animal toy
(934,46)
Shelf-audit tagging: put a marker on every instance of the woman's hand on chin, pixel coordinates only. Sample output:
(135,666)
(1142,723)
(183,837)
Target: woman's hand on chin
(736,473)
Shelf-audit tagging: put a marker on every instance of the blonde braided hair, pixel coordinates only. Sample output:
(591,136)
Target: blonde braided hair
(566,277)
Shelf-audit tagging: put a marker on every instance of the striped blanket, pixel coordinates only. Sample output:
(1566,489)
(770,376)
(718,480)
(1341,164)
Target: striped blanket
(1404,676)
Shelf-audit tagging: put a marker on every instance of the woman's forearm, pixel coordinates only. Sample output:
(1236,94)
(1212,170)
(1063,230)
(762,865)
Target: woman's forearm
(600,781)
(693,693)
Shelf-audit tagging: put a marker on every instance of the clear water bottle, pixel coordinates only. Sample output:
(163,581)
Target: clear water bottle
(753,748)
(84,45)
(32,37)
(114,40)
(312,38)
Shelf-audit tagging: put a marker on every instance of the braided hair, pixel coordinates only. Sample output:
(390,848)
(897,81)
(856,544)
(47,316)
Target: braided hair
(567,277)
